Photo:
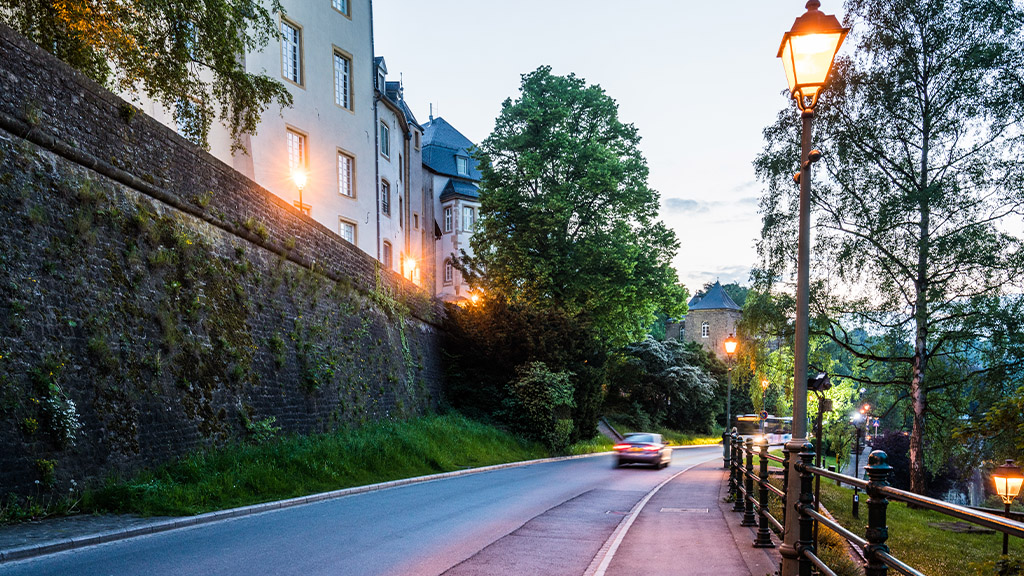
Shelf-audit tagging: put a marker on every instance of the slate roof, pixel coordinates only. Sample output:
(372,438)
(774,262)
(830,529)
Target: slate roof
(715,299)
(457,188)
(441,143)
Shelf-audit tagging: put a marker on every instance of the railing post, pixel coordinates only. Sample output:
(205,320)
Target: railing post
(764,534)
(785,482)
(748,510)
(733,492)
(737,458)
(805,500)
(877,532)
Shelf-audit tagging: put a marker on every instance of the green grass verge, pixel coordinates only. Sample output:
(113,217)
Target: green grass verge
(244,474)
(913,540)
(673,437)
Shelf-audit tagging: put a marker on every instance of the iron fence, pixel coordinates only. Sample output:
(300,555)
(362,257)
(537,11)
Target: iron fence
(877,557)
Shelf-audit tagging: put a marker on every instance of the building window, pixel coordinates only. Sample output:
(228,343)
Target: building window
(462,165)
(291,52)
(385,140)
(342,80)
(347,231)
(448,219)
(401,167)
(386,255)
(341,6)
(449,272)
(401,212)
(417,139)
(385,197)
(415,221)
(468,218)
(705,330)
(297,156)
(346,166)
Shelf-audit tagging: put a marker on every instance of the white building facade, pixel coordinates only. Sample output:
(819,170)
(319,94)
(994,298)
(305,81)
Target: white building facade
(451,178)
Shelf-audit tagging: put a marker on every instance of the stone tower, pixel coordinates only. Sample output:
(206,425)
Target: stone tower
(711,320)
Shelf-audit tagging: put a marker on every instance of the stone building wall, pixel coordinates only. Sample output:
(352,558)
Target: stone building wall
(721,323)
(154,301)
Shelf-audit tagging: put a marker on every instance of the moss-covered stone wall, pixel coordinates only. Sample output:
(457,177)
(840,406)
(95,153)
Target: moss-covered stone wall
(152,306)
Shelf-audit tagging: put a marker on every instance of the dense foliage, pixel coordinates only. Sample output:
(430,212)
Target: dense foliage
(915,271)
(567,221)
(184,54)
(653,384)
(501,353)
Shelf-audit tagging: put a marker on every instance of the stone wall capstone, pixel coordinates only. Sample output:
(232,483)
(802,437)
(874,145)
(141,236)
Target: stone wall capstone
(154,301)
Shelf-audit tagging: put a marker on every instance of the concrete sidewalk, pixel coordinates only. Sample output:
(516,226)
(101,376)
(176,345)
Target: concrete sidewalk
(689,528)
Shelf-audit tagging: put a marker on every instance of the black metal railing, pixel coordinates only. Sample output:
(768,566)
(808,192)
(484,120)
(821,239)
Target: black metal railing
(878,559)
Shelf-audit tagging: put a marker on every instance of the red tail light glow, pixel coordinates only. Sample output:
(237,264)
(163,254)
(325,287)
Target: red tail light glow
(621,446)
(650,448)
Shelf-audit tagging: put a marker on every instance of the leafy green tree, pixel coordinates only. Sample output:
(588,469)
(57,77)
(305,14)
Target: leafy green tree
(923,164)
(662,384)
(184,54)
(493,339)
(540,402)
(567,220)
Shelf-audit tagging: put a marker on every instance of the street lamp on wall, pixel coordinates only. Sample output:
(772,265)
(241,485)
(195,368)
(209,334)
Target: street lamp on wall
(299,177)
(807,52)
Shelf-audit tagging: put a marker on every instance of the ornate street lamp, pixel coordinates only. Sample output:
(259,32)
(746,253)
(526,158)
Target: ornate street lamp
(730,349)
(807,52)
(1008,480)
(299,177)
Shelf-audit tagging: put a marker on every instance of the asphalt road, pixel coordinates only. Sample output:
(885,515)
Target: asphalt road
(549,519)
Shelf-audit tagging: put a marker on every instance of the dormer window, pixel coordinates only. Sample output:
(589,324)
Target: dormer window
(462,165)
(380,81)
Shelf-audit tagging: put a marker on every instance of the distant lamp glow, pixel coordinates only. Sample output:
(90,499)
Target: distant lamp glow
(410,264)
(474,297)
(764,384)
(808,51)
(299,176)
(730,345)
(1008,480)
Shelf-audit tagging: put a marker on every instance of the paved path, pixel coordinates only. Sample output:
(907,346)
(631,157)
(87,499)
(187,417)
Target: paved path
(545,519)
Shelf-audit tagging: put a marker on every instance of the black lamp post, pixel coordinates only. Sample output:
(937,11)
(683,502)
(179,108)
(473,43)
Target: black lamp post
(730,350)
(1008,480)
(807,52)
(299,176)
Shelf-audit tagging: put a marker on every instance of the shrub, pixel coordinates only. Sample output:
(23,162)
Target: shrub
(539,402)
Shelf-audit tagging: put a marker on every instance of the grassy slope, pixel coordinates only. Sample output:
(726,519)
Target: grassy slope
(294,466)
(931,550)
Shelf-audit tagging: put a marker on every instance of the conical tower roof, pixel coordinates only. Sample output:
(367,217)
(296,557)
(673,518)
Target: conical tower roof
(715,299)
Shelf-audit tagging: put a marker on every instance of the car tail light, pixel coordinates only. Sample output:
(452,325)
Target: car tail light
(650,448)
(621,446)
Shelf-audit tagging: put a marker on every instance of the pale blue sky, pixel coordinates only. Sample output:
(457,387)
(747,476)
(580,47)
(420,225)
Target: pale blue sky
(700,80)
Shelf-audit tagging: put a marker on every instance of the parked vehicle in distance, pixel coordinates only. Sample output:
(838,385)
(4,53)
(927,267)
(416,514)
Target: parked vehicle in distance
(777,429)
(643,448)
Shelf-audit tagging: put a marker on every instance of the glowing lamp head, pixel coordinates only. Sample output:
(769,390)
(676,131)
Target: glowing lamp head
(808,51)
(410,264)
(474,298)
(730,345)
(1008,480)
(299,176)
(764,384)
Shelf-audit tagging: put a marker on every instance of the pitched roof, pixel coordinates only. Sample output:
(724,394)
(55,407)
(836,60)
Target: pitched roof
(441,144)
(461,189)
(715,299)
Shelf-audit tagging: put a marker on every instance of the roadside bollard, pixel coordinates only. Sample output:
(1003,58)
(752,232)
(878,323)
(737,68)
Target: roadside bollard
(877,530)
(764,534)
(806,500)
(748,509)
(737,458)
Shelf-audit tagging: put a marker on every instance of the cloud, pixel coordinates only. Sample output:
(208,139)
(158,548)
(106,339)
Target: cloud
(749,201)
(685,205)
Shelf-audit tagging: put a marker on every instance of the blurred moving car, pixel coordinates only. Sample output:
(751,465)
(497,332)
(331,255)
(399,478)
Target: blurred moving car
(643,448)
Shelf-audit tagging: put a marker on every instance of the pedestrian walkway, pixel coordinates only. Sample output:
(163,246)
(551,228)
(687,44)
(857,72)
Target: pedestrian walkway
(689,528)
